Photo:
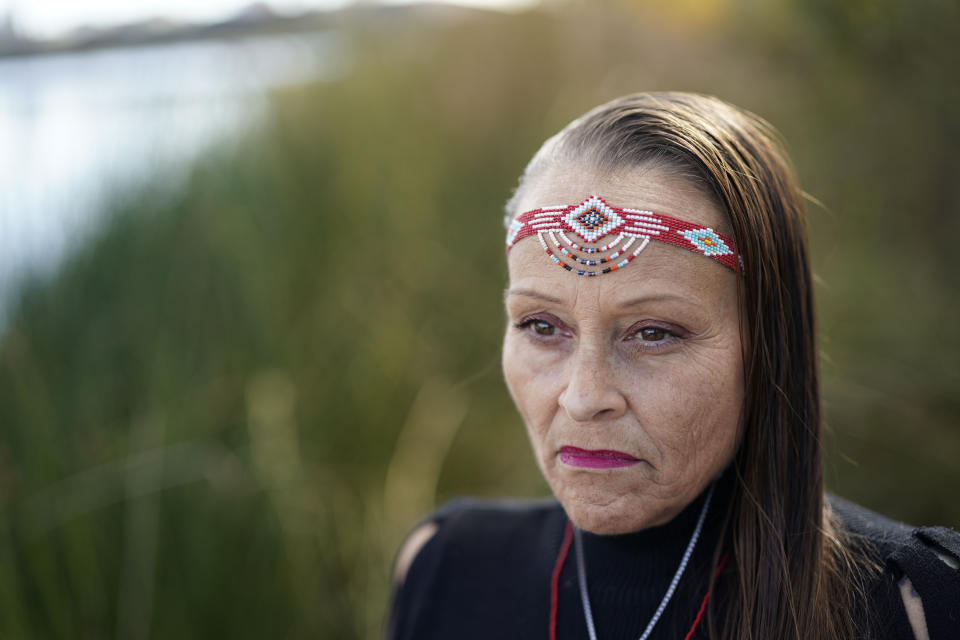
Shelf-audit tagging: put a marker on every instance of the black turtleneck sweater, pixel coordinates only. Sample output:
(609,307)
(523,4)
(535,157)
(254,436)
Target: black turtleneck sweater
(486,573)
(629,574)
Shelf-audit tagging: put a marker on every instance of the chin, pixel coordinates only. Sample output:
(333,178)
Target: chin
(616,517)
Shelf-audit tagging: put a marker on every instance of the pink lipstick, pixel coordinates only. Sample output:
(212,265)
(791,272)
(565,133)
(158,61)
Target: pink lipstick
(596,459)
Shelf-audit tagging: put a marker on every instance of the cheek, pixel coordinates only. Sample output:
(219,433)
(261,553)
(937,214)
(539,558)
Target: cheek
(697,417)
(532,382)
(514,370)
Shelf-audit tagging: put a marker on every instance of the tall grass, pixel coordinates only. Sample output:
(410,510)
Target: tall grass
(220,418)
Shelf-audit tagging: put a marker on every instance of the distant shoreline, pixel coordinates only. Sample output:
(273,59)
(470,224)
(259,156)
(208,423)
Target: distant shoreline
(257,20)
(152,33)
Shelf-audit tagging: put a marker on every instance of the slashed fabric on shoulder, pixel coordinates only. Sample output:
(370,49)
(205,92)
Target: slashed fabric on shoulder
(472,578)
(928,556)
(931,559)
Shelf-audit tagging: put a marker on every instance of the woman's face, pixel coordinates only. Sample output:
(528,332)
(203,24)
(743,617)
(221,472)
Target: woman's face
(631,382)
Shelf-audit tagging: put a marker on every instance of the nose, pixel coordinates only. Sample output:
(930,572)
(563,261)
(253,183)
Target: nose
(592,392)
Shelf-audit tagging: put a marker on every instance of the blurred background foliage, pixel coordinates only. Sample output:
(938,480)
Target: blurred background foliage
(223,413)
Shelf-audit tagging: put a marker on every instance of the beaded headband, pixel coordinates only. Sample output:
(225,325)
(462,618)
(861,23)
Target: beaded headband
(593,220)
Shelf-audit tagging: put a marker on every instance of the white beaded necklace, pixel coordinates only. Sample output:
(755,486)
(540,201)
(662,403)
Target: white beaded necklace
(582,574)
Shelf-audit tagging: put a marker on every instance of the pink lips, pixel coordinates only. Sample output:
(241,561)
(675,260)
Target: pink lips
(596,459)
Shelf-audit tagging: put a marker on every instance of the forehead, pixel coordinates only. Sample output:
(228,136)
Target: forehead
(659,270)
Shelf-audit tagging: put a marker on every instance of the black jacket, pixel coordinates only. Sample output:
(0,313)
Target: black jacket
(486,574)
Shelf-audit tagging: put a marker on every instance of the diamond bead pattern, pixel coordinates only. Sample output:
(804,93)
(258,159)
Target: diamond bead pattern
(593,219)
(707,241)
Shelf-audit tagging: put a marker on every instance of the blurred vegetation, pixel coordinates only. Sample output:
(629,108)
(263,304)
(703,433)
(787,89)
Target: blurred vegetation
(220,418)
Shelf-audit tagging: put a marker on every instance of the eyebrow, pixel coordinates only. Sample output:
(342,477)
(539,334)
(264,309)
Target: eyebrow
(659,297)
(530,293)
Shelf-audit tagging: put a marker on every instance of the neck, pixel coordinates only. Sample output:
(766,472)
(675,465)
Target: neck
(630,573)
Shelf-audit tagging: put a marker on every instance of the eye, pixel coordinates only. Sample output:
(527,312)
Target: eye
(655,337)
(652,334)
(540,328)
(543,328)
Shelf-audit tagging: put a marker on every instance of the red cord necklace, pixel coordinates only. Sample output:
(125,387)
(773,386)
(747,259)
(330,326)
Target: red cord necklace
(555,585)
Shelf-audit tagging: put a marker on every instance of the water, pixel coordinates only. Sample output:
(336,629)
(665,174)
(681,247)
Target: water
(77,127)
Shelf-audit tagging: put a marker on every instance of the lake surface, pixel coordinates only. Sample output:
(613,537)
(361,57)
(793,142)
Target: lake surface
(76,127)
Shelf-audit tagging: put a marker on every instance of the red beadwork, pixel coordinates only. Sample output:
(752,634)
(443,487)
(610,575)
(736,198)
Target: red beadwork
(629,222)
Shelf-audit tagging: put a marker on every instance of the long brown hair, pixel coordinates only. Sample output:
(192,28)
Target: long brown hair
(791,573)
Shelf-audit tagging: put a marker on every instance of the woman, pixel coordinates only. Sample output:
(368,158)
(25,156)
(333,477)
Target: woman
(667,376)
